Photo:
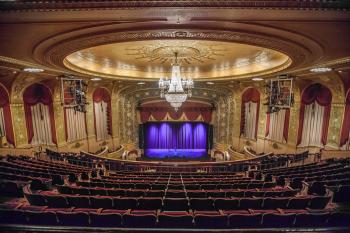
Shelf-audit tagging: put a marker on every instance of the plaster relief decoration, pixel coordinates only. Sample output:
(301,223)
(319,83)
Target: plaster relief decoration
(198,59)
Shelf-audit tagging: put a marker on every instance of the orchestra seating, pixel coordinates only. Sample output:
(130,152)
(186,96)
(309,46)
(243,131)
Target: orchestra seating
(45,193)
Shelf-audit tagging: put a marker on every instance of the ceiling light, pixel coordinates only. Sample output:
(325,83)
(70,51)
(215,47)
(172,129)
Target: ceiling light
(210,83)
(141,83)
(95,79)
(257,79)
(320,69)
(177,89)
(33,70)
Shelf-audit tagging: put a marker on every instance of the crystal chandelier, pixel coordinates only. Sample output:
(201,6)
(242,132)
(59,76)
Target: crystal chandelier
(177,89)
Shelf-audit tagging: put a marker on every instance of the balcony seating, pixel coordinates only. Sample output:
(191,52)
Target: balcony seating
(311,219)
(105,219)
(202,204)
(140,219)
(164,200)
(210,220)
(150,203)
(73,218)
(245,220)
(172,219)
(342,194)
(272,220)
(175,204)
(124,203)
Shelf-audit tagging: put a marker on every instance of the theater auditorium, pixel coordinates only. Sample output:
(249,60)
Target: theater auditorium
(175,116)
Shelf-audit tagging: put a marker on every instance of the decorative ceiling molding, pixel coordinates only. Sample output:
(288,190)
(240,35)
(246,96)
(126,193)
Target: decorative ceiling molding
(100,5)
(53,51)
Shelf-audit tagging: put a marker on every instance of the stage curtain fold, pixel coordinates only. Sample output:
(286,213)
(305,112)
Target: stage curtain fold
(191,112)
(314,115)
(34,96)
(250,113)
(166,135)
(6,117)
(345,134)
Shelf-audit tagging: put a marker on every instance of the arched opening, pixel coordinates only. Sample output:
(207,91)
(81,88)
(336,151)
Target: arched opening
(314,116)
(6,130)
(38,107)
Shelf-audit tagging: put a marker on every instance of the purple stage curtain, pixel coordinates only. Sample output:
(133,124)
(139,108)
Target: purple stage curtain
(167,135)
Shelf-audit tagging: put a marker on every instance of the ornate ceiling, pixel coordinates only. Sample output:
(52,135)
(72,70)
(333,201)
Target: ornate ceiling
(199,59)
(134,40)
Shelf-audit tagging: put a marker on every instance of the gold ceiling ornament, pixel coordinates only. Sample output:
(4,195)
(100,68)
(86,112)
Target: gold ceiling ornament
(200,59)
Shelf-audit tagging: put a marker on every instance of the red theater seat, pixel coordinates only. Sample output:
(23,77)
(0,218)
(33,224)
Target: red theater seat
(170,219)
(244,220)
(105,219)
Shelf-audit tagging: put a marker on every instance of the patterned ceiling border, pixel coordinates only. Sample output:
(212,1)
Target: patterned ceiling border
(27,6)
(54,54)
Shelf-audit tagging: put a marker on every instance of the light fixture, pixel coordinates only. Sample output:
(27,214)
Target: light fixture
(210,83)
(320,69)
(33,70)
(95,79)
(141,83)
(177,89)
(257,79)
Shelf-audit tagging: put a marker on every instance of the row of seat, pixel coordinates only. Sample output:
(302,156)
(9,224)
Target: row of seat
(39,162)
(176,204)
(152,219)
(188,186)
(200,193)
(341,193)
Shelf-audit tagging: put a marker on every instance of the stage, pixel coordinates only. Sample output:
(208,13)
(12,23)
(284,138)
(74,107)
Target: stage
(192,154)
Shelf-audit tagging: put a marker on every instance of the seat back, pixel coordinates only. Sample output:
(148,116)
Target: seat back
(105,219)
(210,221)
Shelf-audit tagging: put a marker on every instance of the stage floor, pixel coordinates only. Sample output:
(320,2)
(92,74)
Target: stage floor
(175,153)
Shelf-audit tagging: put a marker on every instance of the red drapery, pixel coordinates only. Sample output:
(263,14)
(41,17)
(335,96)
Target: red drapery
(346,122)
(34,94)
(101,94)
(286,124)
(5,105)
(192,111)
(250,95)
(267,129)
(321,95)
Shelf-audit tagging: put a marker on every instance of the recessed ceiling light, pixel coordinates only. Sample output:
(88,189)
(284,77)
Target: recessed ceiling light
(210,83)
(257,79)
(320,69)
(141,83)
(33,70)
(340,71)
(95,79)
